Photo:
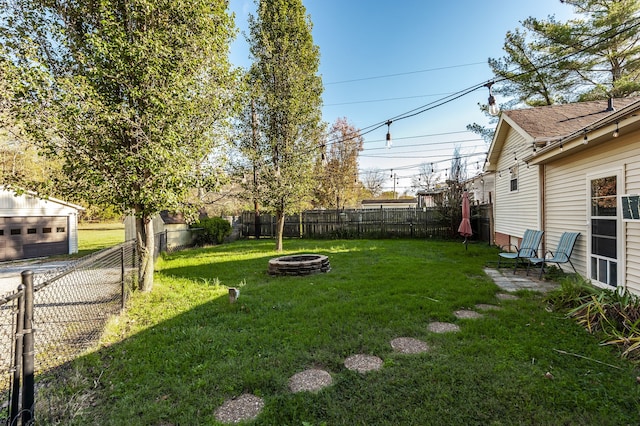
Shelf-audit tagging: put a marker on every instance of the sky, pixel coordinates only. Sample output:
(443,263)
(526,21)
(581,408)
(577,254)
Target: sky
(383,59)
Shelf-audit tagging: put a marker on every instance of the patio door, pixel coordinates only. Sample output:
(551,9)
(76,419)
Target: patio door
(604,233)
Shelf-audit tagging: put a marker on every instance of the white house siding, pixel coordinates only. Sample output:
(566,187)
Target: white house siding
(566,204)
(519,210)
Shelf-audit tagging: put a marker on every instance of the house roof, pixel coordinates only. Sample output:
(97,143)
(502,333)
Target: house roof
(557,121)
(18,192)
(390,201)
(169,218)
(548,124)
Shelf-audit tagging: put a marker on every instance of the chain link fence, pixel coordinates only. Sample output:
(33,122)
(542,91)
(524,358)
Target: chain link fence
(71,306)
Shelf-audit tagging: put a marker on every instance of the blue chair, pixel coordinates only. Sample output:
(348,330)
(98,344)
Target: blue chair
(561,255)
(528,249)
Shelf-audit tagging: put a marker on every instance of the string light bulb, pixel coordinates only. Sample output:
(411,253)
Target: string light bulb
(388,143)
(585,140)
(616,132)
(492,106)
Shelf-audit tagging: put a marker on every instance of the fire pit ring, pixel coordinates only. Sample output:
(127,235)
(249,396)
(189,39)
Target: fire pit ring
(299,264)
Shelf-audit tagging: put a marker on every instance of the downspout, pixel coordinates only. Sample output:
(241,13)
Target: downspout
(543,217)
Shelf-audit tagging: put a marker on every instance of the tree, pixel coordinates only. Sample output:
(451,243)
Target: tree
(595,56)
(338,185)
(427,177)
(373,181)
(132,95)
(284,78)
(450,206)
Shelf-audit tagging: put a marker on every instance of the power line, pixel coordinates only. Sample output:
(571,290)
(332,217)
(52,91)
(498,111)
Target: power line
(405,73)
(386,100)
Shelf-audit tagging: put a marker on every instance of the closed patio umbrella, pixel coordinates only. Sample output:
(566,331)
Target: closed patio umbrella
(465,226)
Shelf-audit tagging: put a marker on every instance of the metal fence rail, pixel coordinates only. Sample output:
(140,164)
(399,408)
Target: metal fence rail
(71,306)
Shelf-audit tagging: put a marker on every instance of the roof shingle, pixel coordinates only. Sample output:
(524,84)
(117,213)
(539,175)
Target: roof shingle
(557,121)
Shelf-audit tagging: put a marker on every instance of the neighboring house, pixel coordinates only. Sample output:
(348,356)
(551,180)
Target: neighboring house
(429,198)
(568,168)
(172,225)
(33,227)
(389,203)
(481,188)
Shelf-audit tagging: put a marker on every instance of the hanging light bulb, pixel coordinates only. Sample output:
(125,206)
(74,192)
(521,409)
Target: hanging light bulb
(616,133)
(585,140)
(492,106)
(388,143)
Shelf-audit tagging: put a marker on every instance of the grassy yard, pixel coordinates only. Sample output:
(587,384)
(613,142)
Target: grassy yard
(97,236)
(179,352)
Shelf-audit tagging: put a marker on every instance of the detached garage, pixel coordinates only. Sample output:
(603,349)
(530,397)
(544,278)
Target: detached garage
(35,227)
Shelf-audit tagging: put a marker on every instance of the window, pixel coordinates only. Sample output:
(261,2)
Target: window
(604,230)
(60,229)
(31,231)
(513,183)
(16,231)
(46,230)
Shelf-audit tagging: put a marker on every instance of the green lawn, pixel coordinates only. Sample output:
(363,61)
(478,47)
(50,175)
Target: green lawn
(179,352)
(97,236)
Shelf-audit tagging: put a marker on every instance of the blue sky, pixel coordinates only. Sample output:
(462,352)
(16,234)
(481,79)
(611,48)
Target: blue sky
(381,59)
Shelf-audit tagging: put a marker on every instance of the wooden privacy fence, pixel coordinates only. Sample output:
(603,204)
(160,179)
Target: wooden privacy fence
(368,223)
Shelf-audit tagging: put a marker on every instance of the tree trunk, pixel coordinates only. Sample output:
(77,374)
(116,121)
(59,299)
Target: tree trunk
(256,220)
(280,229)
(145,240)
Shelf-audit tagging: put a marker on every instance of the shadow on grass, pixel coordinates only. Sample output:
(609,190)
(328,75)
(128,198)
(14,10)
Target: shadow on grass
(183,349)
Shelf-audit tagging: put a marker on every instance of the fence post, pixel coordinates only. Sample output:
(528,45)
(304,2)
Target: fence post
(122,279)
(28,394)
(166,241)
(17,372)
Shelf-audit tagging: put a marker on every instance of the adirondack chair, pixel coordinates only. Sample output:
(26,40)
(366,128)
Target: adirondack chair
(528,249)
(561,255)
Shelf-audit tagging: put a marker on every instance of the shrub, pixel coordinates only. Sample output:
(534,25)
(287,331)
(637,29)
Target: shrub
(573,292)
(614,313)
(213,230)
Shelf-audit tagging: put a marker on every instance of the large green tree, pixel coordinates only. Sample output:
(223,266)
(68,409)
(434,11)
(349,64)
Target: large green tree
(131,94)
(287,90)
(593,56)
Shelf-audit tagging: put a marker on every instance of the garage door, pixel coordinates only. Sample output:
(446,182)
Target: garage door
(26,237)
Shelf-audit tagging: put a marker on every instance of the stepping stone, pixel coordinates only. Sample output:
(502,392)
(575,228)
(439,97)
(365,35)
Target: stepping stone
(505,296)
(245,407)
(487,307)
(443,327)
(467,314)
(409,345)
(363,363)
(309,380)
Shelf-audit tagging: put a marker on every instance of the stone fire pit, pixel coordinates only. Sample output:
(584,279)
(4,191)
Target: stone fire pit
(299,264)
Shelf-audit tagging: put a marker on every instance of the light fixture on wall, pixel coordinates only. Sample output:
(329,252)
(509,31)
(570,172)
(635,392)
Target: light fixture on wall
(616,132)
(492,106)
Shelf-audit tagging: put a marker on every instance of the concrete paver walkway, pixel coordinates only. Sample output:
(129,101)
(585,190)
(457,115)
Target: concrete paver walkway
(508,281)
